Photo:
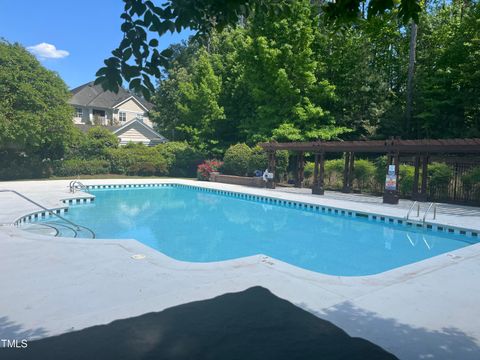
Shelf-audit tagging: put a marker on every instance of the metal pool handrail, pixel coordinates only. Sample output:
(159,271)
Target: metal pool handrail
(434,205)
(78,227)
(411,208)
(73,185)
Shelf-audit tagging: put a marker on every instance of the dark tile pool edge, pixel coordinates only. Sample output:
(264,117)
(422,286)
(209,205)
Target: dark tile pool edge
(43,214)
(304,206)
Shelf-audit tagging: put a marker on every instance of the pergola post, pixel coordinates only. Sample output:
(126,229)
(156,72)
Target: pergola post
(423,191)
(318,174)
(346,170)
(271,169)
(416,175)
(300,170)
(390,193)
(351,168)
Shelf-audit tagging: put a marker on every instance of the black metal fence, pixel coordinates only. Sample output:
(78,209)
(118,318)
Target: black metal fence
(453,190)
(456,191)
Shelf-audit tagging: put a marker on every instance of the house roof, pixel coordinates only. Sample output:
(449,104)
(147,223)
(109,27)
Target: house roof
(93,95)
(137,122)
(155,137)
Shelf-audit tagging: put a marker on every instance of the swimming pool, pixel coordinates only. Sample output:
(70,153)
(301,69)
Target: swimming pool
(198,226)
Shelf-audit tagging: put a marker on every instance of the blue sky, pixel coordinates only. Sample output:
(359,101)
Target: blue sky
(88,30)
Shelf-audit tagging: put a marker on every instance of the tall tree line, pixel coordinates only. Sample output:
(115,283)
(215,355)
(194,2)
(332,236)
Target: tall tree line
(298,77)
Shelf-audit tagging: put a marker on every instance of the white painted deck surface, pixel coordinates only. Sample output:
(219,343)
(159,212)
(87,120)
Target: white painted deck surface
(427,310)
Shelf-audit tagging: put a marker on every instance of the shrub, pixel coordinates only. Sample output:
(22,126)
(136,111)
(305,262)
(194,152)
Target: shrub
(281,166)
(182,158)
(439,175)
(258,160)
(364,173)
(120,159)
(380,172)
(237,159)
(148,166)
(137,159)
(334,172)
(19,166)
(74,167)
(471,179)
(204,170)
(95,143)
(406,174)
(308,169)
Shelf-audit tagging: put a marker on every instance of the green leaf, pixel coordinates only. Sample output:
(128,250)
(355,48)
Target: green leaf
(167,52)
(127,53)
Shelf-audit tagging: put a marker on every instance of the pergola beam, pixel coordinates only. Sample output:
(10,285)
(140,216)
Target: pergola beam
(382,146)
(421,149)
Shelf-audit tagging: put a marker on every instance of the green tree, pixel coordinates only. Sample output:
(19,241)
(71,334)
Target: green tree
(363,62)
(143,18)
(35,118)
(282,78)
(187,101)
(198,103)
(447,93)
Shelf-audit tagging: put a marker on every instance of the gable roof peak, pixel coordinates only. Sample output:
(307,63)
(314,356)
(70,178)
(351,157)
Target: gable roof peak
(90,94)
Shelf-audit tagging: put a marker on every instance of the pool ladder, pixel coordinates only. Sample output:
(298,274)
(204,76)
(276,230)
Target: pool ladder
(430,206)
(434,205)
(77,185)
(411,208)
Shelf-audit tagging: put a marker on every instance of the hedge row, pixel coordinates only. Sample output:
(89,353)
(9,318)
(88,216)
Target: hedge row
(74,167)
(174,159)
(14,167)
(137,160)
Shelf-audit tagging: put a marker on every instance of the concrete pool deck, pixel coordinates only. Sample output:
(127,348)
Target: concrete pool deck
(426,310)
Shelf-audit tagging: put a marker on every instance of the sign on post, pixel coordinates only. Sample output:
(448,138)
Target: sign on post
(391,179)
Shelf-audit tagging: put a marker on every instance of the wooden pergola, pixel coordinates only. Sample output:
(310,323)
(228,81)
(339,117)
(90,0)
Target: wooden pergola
(420,150)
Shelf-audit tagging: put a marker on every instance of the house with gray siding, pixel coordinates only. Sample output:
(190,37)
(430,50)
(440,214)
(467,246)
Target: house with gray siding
(124,113)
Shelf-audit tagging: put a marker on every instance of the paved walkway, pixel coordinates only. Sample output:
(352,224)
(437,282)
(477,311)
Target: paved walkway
(426,310)
(457,215)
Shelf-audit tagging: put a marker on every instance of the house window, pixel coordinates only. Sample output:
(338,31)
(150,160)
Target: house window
(140,117)
(78,112)
(122,116)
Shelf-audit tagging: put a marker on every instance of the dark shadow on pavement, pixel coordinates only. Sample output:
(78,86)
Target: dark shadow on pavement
(405,341)
(13,331)
(253,324)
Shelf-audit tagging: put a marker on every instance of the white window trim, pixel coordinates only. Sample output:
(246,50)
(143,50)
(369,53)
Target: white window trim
(78,110)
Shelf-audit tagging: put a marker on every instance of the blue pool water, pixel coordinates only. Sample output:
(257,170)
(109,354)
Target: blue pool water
(192,225)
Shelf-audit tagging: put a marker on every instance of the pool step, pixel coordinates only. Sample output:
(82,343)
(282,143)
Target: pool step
(41,229)
(54,228)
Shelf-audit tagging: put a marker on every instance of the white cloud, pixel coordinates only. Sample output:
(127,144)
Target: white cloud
(47,51)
